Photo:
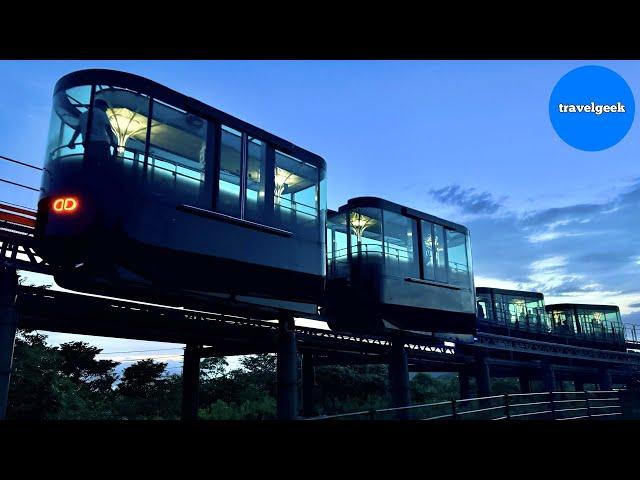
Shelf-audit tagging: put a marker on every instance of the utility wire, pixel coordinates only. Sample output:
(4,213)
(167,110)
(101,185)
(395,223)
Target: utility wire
(147,358)
(19,185)
(20,163)
(141,351)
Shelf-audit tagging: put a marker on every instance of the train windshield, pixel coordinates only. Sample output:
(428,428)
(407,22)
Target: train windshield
(182,157)
(406,246)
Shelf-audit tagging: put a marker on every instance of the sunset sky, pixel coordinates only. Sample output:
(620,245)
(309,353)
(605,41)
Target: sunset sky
(470,141)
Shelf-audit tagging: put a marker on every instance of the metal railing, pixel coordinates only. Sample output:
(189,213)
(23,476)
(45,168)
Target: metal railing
(600,404)
(631,333)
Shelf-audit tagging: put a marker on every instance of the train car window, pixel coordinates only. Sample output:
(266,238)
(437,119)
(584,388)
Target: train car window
(517,311)
(128,115)
(66,141)
(296,204)
(176,153)
(255,191)
(428,255)
(457,258)
(614,321)
(230,172)
(366,233)
(598,323)
(400,245)
(322,201)
(485,303)
(337,254)
(439,253)
(534,305)
(500,310)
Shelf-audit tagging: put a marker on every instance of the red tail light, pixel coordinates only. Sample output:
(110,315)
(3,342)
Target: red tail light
(65,204)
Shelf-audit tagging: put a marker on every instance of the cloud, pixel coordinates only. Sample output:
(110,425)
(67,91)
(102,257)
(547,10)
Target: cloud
(553,217)
(469,200)
(583,253)
(549,263)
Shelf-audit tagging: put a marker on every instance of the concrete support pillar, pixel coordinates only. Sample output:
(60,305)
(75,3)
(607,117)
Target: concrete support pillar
(483,377)
(287,370)
(525,383)
(549,378)
(399,377)
(190,381)
(308,380)
(605,380)
(8,326)
(465,390)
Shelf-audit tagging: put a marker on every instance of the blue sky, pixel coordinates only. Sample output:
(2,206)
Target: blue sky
(470,141)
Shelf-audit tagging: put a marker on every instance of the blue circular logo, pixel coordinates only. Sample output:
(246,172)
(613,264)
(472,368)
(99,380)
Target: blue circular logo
(591,108)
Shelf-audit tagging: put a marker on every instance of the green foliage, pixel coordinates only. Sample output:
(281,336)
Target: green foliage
(145,392)
(261,409)
(141,378)
(80,365)
(425,388)
(69,382)
(342,389)
(243,393)
(263,364)
(501,386)
(39,390)
(212,367)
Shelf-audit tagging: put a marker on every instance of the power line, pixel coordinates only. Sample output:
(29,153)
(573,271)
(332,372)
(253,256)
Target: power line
(19,185)
(141,351)
(20,163)
(147,358)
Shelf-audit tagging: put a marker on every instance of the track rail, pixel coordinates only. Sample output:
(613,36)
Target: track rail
(515,344)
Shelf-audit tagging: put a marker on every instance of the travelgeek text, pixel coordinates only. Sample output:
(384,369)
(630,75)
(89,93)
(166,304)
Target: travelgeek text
(592,108)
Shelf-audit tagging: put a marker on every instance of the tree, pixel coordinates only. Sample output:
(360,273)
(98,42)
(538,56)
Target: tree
(38,390)
(349,388)
(500,386)
(142,378)
(426,388)
(80,364)
(257,377)
(262,364)
(145,392)
(242,393)
(213,367)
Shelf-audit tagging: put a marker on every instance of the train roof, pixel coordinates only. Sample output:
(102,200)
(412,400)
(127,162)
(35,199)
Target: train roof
(570,306)
(502,291)
(376,202)
(177,99)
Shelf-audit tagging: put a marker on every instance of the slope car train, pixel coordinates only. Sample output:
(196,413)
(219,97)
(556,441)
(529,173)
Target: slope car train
(152,195)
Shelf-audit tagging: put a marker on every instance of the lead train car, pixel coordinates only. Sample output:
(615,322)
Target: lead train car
(394,268)
(191,204)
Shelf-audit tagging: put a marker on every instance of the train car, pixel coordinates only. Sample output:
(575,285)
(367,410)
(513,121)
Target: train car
(390,267)
(589,324)
(524,314)
(521,311)
(152,195)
